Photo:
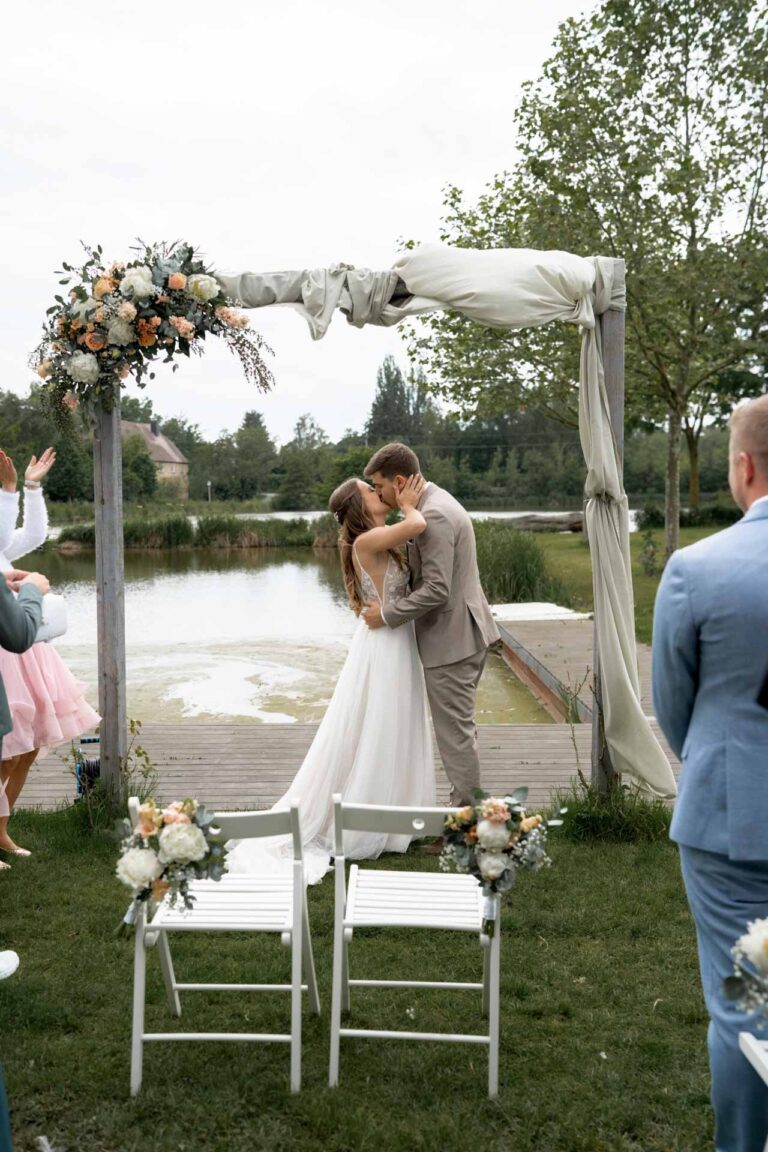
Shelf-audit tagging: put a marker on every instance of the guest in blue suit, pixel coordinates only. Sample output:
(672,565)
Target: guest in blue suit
(710,662)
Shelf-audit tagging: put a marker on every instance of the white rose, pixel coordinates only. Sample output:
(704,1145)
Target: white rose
(202,287)
(120,332)
(754,945)
(83,309)
(83,367)
(492,835)
(492,864)
(182,844)
(138,867)
(137,283)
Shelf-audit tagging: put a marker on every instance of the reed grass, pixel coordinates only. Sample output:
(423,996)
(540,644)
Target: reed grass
(513,566)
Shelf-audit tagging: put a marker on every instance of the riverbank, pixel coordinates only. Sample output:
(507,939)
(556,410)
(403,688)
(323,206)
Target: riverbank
(568,561)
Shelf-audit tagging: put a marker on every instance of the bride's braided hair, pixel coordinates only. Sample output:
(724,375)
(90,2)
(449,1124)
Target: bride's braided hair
(346,504)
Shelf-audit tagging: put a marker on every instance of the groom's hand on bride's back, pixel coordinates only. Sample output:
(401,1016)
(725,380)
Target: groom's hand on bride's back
(372,615)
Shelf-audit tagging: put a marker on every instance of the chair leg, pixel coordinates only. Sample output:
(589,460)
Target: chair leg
(336,992)
(345,978)
(486,980)
(139,986)
(169,979)
(493,1047)
(309,964)
(296,958)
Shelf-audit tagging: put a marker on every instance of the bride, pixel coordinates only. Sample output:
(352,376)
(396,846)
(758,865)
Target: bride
(374,744)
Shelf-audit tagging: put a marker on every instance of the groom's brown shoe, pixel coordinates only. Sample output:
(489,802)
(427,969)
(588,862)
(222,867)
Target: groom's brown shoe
(433,849)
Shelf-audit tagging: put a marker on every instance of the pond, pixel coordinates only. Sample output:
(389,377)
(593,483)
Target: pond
(245,635)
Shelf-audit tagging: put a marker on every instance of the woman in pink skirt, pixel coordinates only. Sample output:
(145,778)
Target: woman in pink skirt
(46,702)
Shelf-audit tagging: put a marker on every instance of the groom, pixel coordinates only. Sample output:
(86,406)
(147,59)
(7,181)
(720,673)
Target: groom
(454,625)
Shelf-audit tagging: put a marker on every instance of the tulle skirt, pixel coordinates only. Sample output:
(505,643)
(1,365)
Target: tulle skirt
(374,746)
(47,704)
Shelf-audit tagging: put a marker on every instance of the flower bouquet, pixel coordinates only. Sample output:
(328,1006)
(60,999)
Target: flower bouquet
(748,986)
(119,318)
(167,849)
(493,839)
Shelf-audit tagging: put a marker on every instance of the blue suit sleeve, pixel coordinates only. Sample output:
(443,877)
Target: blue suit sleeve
(675,657)
(19,619)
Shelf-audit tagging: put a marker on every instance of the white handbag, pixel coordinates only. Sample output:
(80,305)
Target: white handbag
(54,621)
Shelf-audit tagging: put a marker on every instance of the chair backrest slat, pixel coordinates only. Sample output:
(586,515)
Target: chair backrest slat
(391,820)
(248,825)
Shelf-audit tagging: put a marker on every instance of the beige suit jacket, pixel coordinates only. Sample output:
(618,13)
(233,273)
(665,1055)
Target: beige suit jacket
(453,620)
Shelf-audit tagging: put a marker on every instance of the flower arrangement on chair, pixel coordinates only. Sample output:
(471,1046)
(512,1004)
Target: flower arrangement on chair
(748,986)
(168,848)
(119,318)
(492,840)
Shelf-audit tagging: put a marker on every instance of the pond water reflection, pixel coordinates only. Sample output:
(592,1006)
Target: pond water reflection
(252,634)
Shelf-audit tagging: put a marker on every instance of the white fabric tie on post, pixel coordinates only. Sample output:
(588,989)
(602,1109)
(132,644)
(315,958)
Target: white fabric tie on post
(518,288)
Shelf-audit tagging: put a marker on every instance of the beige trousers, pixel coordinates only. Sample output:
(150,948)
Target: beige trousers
(452,694)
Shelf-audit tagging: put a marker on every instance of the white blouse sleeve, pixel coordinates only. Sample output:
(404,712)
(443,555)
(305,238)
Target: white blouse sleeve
(34,530)
(9,514)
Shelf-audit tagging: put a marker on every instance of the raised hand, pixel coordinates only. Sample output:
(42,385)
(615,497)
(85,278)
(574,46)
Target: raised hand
(17,578)
(411,492)
(38,469)
(7,473)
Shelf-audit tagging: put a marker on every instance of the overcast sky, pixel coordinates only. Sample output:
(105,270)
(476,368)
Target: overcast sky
(289,134)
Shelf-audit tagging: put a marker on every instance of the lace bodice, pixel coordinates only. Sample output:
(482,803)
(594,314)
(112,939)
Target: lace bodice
(395,582)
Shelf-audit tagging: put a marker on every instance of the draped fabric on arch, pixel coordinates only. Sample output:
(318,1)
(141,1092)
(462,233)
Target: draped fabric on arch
(517,288)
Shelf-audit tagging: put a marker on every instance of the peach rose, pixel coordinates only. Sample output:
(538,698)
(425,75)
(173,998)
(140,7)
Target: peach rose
(45,369)
(529,823)
(173,814)
(127,311)
(177,281)
(69,400)
(95,341)
(147,339)
(159,890)
(103,286)
(185,328)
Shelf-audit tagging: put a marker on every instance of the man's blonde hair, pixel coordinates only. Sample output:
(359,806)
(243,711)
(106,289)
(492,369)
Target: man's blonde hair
(749,432)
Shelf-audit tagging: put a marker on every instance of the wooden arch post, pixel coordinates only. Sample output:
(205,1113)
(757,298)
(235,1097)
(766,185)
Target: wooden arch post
(612,341)
(110,593)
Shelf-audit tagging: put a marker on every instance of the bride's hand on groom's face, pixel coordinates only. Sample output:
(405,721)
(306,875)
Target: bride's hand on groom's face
(372,615)
(410,493)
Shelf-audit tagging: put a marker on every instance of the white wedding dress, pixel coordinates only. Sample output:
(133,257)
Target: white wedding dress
(374,746)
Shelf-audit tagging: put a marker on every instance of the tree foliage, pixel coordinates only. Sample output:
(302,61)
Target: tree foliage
(644,138)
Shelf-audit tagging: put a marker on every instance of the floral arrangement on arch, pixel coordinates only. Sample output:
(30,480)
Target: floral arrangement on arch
(168,848)
(119,319)
(493,839)
(748,986)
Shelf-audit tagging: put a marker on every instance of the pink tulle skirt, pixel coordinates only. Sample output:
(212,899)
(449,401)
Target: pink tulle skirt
(47,704)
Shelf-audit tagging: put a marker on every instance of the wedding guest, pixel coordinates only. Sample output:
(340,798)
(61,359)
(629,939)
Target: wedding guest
(47,705)
(9,962)
(710,652)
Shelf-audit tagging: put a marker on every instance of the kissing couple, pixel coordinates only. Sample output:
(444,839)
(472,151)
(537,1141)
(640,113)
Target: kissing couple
(423,633)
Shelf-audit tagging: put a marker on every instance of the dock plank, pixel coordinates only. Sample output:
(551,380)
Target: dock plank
(251,765)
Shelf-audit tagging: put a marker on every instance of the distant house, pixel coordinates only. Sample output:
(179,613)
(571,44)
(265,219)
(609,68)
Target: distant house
(172,465)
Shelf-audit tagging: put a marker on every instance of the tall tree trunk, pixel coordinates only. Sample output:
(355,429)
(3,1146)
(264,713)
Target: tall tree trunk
(672,485)
(692,439)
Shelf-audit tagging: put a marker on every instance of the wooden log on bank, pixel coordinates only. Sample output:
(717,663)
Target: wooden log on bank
(548,522)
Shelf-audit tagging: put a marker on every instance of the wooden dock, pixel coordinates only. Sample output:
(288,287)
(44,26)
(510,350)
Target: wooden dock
(250,765)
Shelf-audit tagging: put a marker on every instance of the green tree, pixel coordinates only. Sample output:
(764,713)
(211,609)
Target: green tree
(644,138)
(139,470)
(256,456)
(138,409)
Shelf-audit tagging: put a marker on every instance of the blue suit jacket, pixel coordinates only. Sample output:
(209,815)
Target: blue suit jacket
(710,658)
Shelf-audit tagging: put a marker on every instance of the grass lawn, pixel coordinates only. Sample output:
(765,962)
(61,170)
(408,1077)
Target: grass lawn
(603,1025)
(568,557)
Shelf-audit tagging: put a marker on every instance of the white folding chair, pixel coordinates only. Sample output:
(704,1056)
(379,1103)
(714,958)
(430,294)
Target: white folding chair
(237,903)
(377,898)
(756,1051)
